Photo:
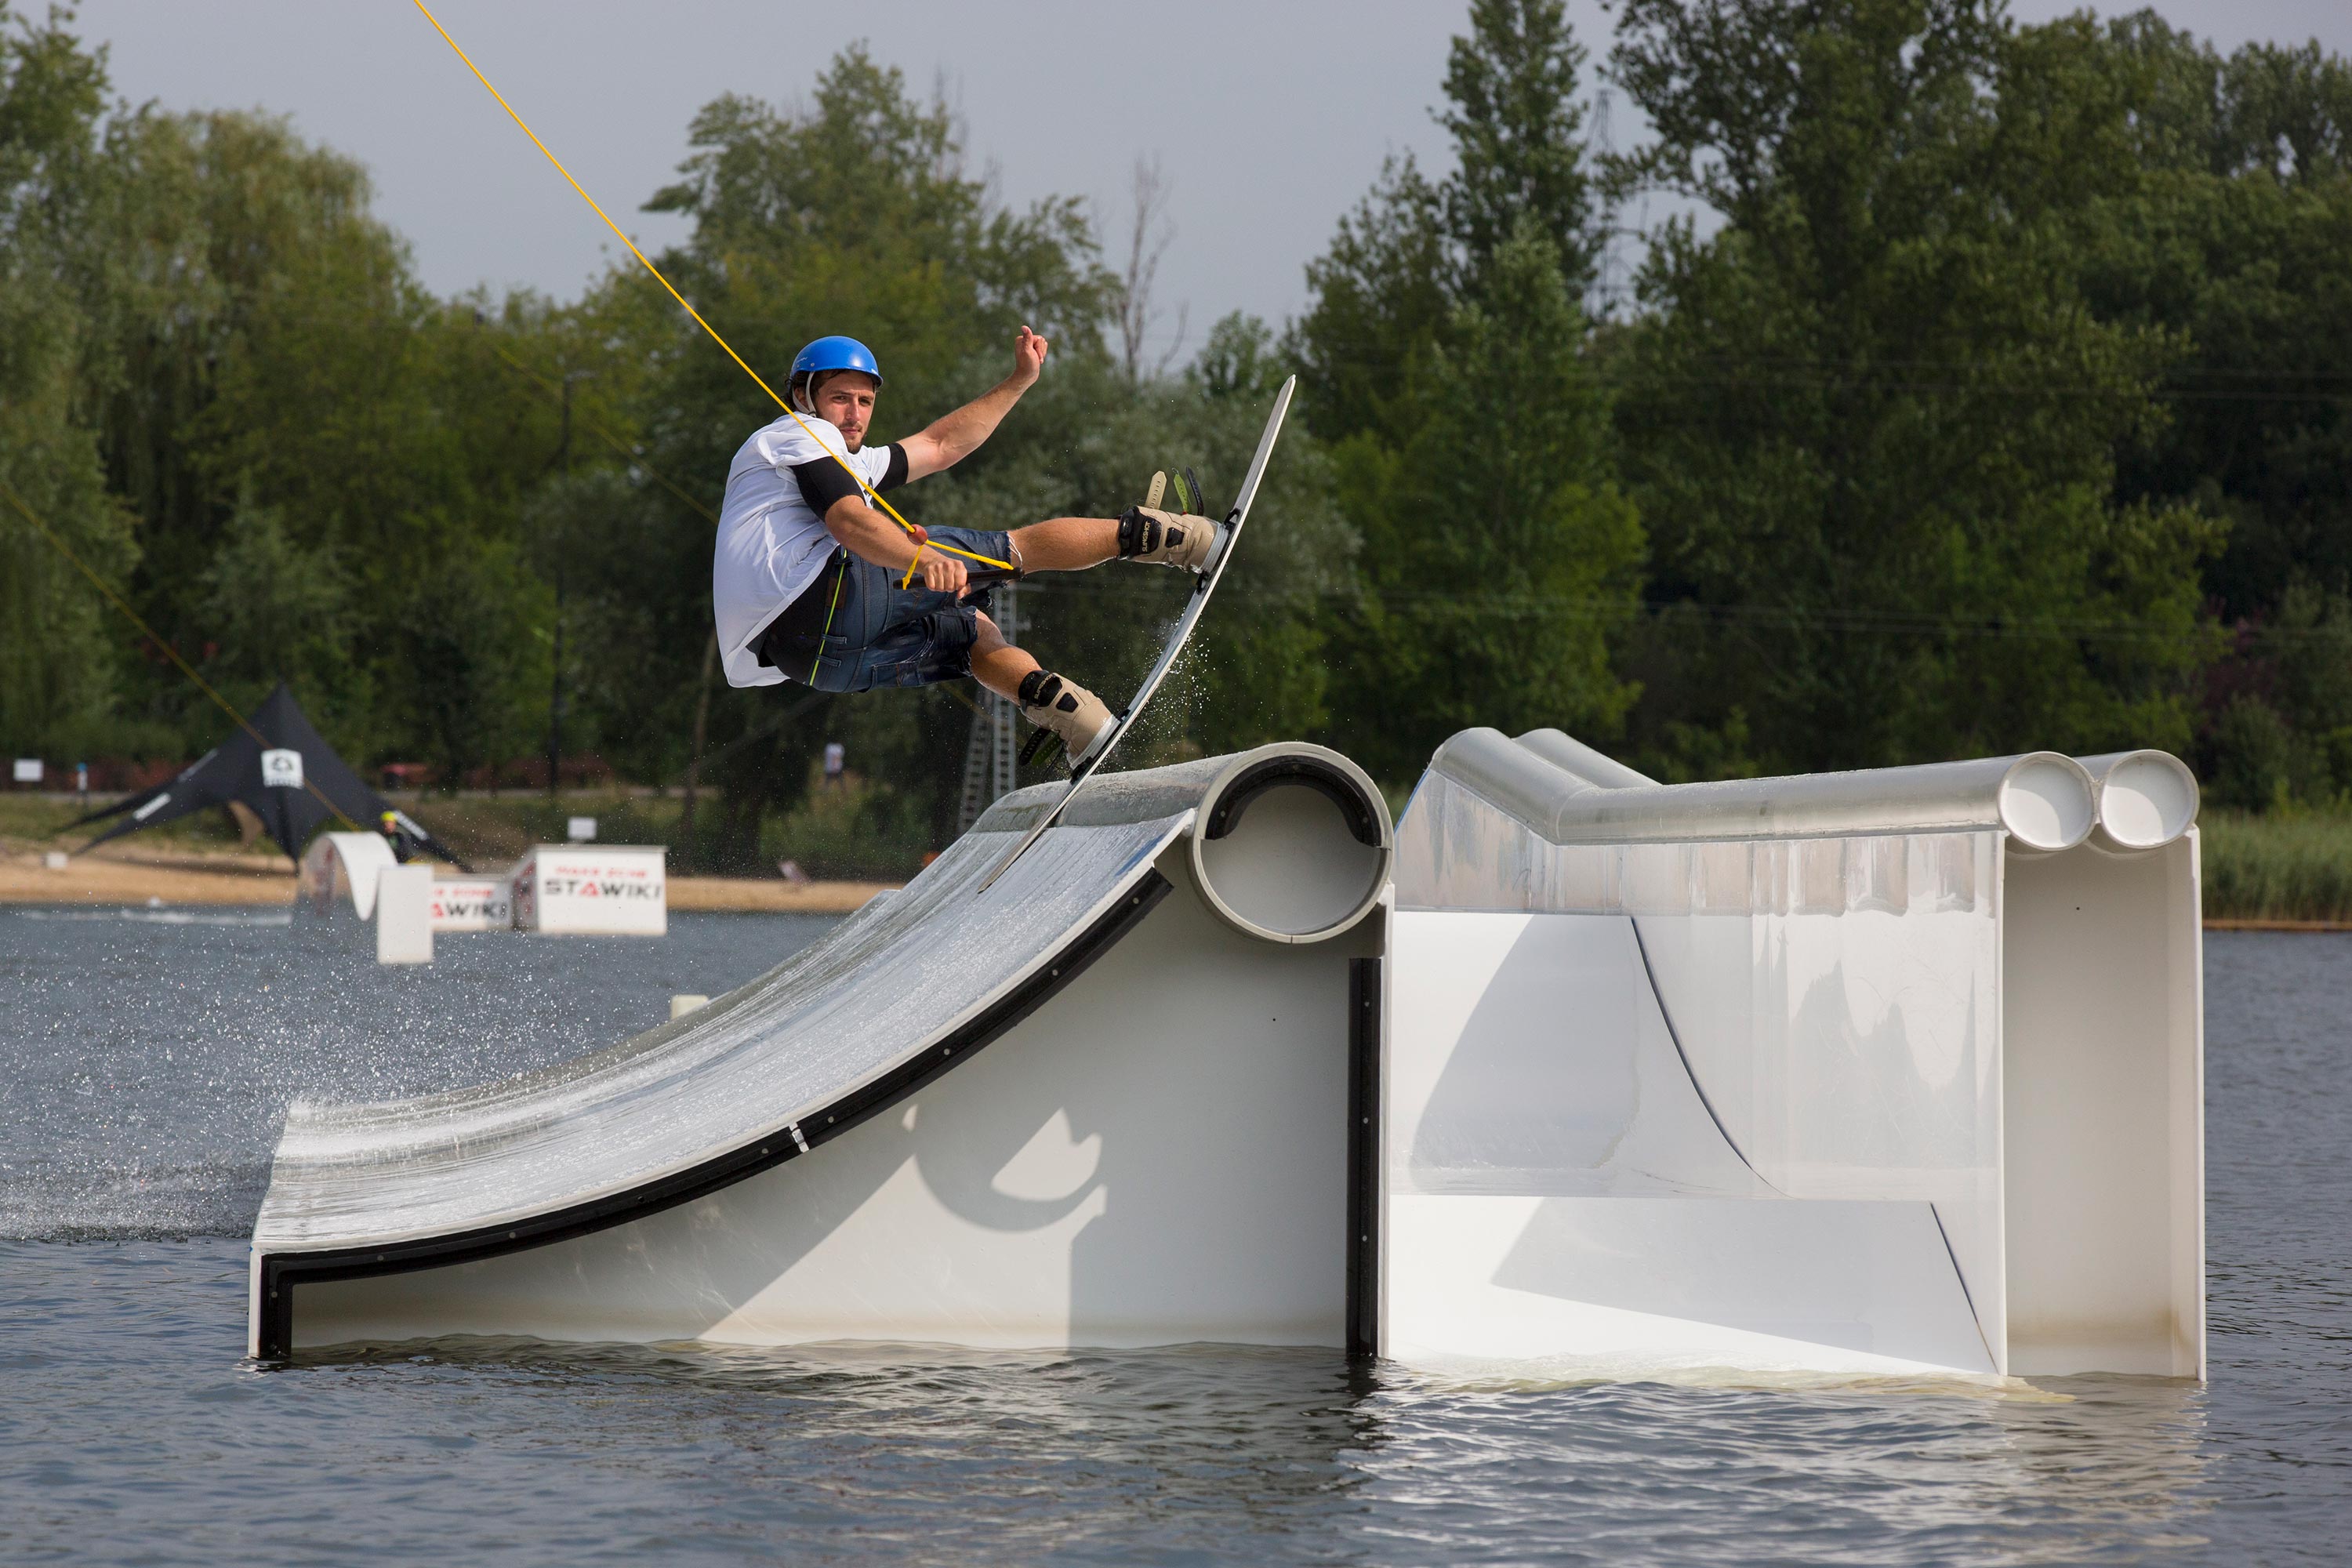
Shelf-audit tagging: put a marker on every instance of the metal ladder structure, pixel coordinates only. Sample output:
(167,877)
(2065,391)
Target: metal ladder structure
(989,765)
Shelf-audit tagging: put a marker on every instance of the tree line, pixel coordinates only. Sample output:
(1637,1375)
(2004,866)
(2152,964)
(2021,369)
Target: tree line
(1987,390)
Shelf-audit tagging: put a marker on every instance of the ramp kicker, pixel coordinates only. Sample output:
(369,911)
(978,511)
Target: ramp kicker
(1277,855)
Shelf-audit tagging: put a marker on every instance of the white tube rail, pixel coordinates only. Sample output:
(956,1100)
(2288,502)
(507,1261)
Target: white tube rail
(2144,799)
(2147,799)
(1597,768)
(2042,800)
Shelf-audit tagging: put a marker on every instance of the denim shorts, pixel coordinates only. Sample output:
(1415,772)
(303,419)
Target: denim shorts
(856,628)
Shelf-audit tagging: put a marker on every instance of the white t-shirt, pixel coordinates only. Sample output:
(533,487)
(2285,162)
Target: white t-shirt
(772,541)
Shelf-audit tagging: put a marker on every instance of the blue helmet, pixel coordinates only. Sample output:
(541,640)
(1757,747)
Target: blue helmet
(831,354)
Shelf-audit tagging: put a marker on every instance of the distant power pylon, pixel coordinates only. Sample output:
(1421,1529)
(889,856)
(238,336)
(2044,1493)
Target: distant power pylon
(988,761)
(1608,277)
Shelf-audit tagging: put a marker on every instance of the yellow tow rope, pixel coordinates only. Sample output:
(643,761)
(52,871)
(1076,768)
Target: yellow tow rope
(922,540)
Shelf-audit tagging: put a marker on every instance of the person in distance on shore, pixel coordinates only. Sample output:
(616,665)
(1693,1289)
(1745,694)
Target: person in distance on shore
(396,832)
(805,578)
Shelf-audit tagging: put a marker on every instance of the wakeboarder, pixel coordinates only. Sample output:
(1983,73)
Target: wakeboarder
(811,578)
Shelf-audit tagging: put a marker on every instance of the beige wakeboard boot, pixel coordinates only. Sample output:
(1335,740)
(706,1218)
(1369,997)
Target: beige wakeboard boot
(1181,537)
(1072,713)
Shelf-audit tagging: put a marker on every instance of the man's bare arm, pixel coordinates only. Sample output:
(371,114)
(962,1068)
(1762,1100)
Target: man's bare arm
(871,536)
(953,439)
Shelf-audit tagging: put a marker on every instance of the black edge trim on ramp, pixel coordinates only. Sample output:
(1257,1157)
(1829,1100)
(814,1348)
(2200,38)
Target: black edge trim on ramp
(1312,772)
(1363,1158)
(282,1271)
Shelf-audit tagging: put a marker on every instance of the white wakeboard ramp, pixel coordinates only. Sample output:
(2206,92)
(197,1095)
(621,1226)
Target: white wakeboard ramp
(1152,1147)
(1884,1072)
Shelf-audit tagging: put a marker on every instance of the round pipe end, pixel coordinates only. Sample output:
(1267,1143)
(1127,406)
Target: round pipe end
(2147,799)
(1292,844)
(2048,801)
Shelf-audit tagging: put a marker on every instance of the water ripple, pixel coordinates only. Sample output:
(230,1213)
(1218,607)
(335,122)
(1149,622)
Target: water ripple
(144,1069)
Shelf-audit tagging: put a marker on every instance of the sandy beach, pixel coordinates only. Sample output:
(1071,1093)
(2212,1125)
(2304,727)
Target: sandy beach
(130,875)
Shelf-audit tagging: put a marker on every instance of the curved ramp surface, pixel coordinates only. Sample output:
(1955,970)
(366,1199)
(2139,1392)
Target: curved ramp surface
(899,993)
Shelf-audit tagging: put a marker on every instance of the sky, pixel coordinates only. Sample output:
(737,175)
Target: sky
(1270,118)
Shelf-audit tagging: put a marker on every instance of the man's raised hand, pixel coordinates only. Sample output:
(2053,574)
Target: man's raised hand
(1028,356)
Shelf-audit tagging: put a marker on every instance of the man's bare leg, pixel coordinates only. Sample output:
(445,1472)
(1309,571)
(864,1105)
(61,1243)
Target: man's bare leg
(997,663)
(1065,544)
(1075,543)
(1049,700)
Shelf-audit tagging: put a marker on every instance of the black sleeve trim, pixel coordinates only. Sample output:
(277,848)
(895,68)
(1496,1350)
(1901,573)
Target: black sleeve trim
(823,482)
(895,474)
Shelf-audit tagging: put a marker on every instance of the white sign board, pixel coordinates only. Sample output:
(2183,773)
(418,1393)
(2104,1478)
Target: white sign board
(611,890)
(28,770)
(581,829)
(404,920)
(281,768)
(471,903)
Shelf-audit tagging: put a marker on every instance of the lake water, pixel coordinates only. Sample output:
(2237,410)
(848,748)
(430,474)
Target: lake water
(145,1060)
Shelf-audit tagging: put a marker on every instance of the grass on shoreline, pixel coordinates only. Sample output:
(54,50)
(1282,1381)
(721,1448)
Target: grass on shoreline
(31,822)
(2277,868)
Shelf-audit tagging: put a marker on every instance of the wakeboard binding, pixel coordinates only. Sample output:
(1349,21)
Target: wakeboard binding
(1062,710)
(1180,534)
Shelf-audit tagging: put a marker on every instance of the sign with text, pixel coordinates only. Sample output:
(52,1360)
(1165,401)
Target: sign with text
(281,768)
(28,770)
(611,890)
(471,903)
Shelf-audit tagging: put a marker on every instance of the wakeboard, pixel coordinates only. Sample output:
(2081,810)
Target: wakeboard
(1202,587)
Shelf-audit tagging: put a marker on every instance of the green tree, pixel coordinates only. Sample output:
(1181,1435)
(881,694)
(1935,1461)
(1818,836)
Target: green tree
(277,611)
(1446,356)
(1518,138)
(2233,241)
(220,379)
(1872,417)
(1378,297)
(57,652)
(259,343)
(1496,569)
(1414,251)
(462,666)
